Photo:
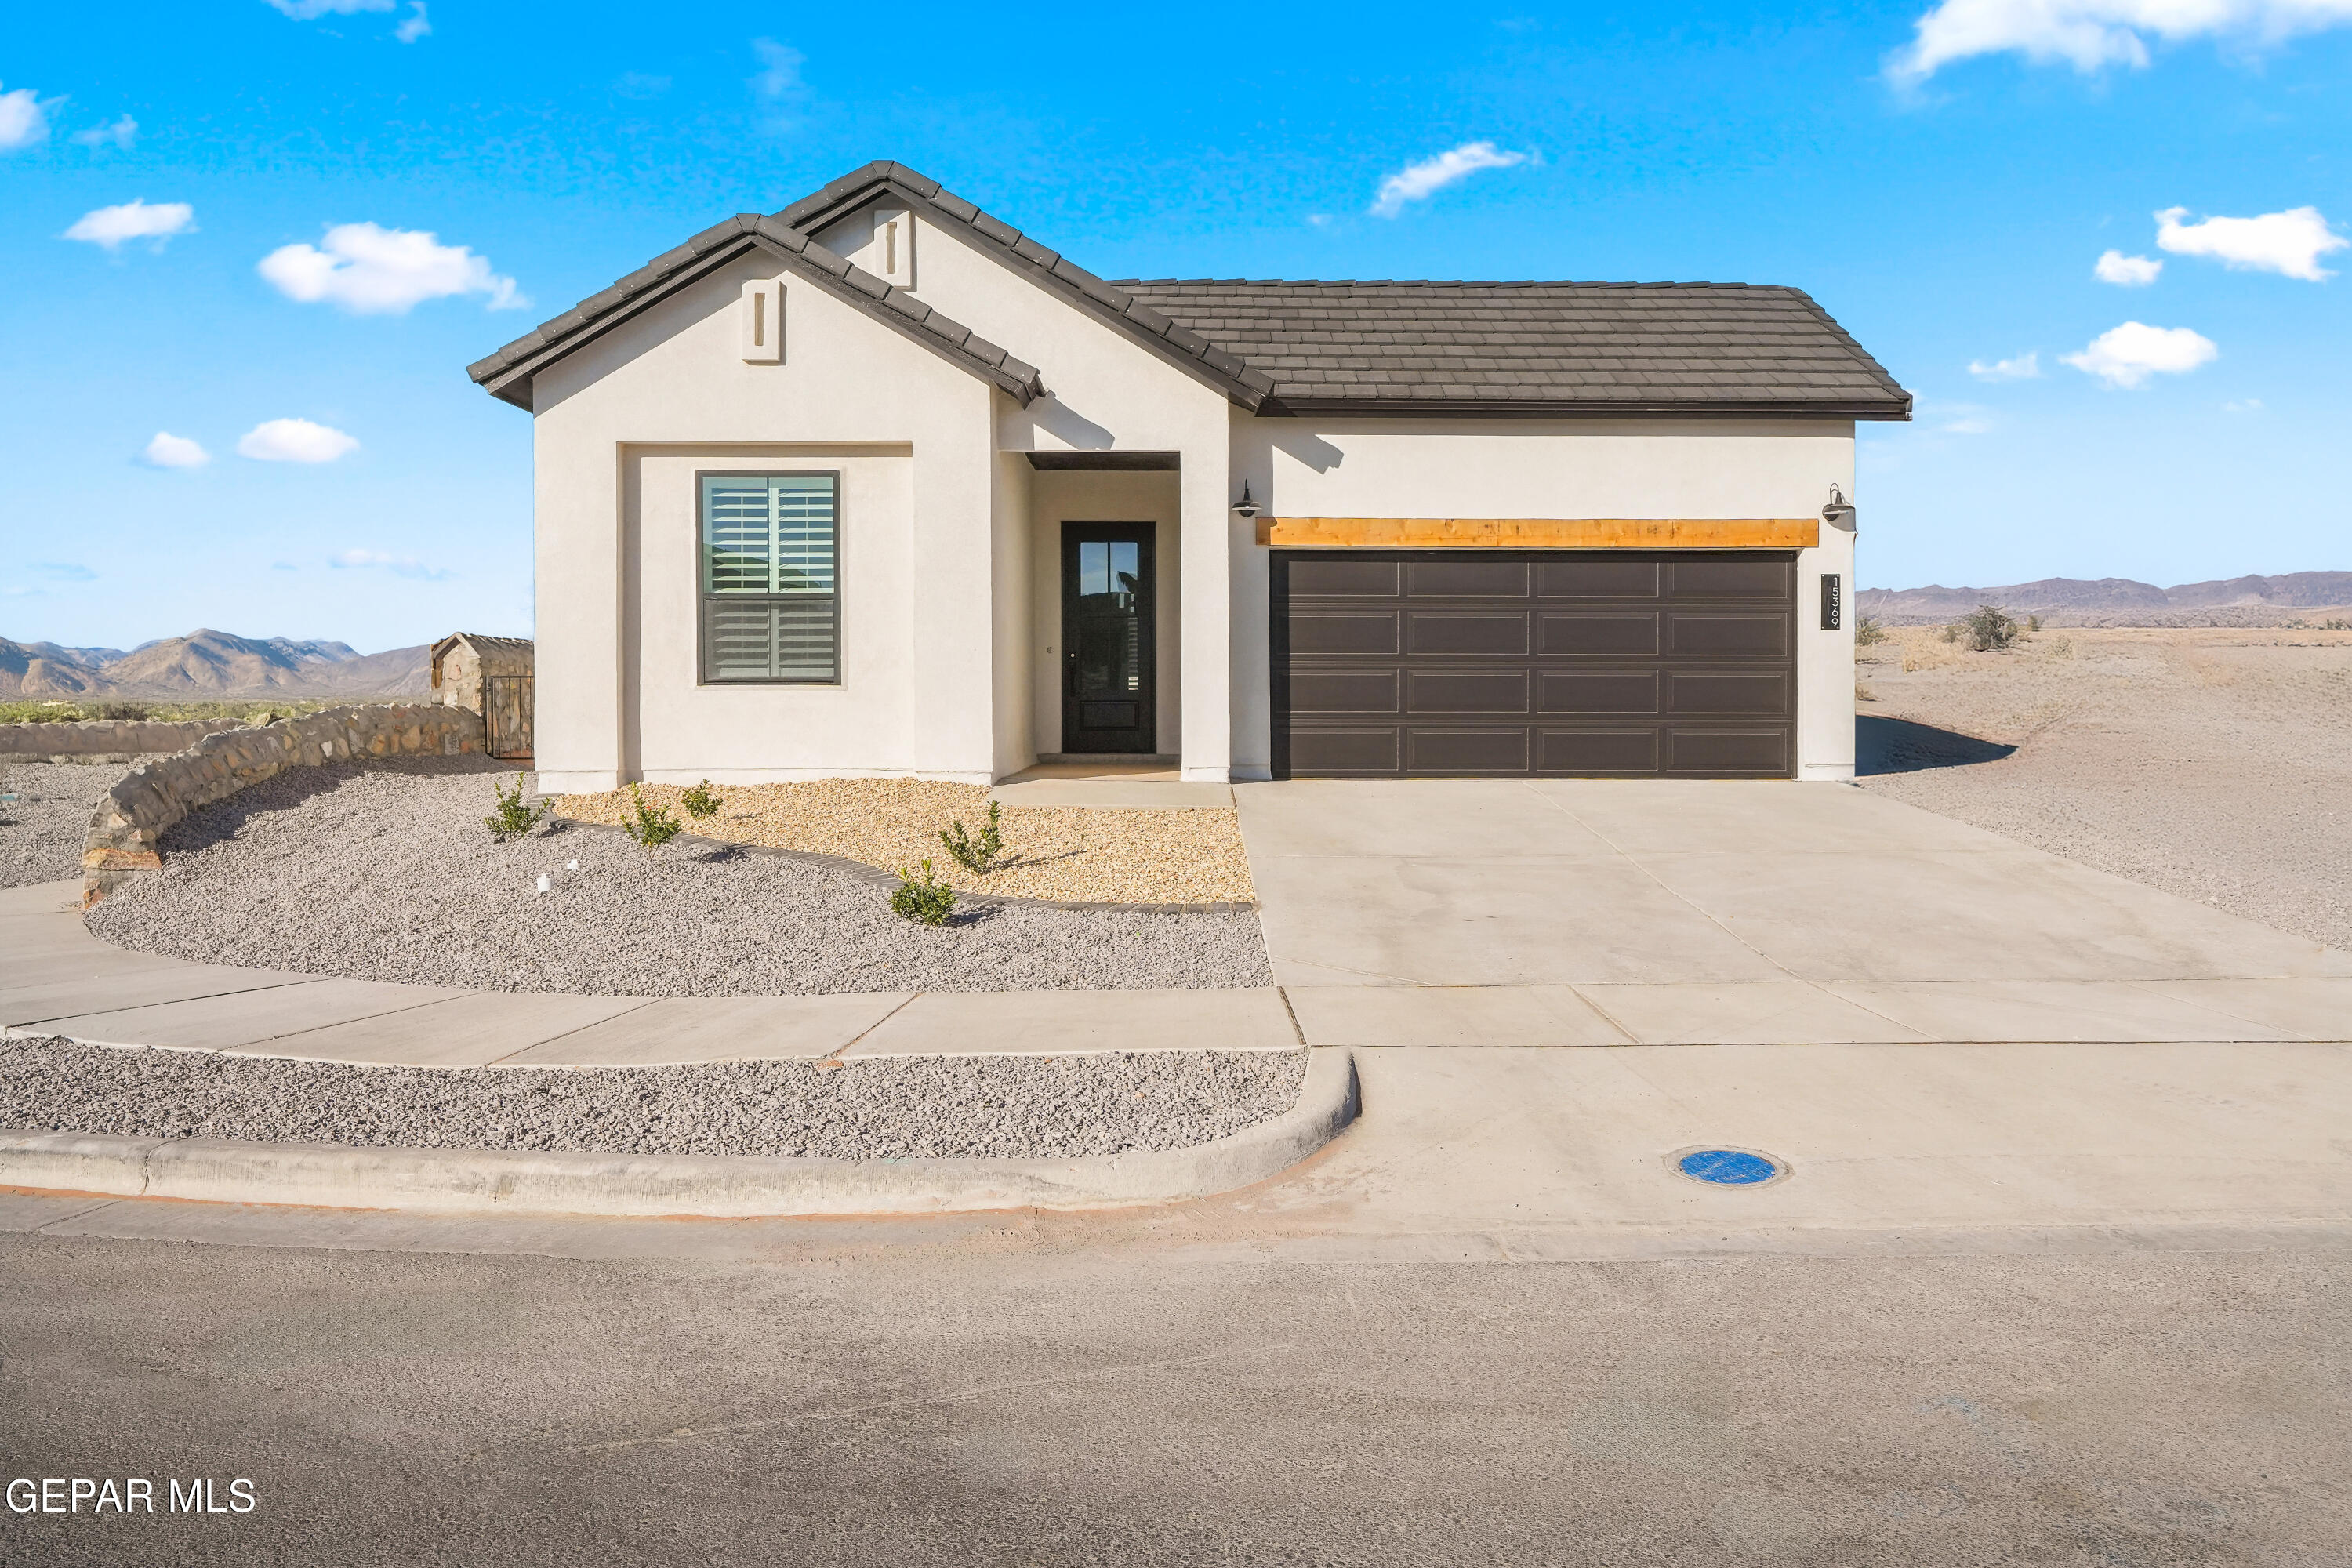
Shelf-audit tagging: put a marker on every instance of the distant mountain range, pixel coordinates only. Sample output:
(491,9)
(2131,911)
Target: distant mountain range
(206,665)
(2120,601)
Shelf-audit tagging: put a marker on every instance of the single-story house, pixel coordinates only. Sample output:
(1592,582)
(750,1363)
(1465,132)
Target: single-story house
(880,485)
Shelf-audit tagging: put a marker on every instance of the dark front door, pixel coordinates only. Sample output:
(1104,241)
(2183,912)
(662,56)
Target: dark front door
(1458,663)
(1106,638)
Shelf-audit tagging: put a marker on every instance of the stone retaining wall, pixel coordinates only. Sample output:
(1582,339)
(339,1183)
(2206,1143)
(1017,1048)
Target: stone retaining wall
(104,739)
(124,834)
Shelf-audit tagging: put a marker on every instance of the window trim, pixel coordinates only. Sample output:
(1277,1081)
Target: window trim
(702,595)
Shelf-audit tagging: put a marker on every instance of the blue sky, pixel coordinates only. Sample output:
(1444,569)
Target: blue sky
(1945,193)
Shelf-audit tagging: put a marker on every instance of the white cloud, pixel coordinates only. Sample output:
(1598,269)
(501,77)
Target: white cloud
(121,133)
(374,271)
(2018,367)
(398,566)
(2243,406)
(414,26)
(294,441)
(110,226)
(170,451)
(2125,271)
(24,118)
(2129,355)
(312,10)
(1418,182)
(2091,34)
(779,72)
(2290,242)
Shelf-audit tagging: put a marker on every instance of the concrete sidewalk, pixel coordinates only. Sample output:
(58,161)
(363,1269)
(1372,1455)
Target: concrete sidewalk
(1574,912)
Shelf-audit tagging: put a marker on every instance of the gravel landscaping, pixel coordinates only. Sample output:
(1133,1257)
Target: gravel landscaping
(2213,763)
(42,830)
(386,872)
(886,1108)
(1191,856)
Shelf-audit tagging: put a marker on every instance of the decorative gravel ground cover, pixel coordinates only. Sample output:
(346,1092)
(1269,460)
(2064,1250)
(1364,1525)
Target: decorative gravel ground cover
(886,1108)
(385,872)
(1187,857)
(42,830)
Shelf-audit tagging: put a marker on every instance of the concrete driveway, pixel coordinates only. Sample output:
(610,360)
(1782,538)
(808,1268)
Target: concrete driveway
(1575,912)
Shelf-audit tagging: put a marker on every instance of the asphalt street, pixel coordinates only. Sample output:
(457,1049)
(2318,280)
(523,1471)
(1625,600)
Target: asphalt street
(1029,1390)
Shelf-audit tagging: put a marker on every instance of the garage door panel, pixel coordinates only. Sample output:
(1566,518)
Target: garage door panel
(1718,752)
(1345,691)
(1467,579)
(1597,753)
(1563,635)
(1316,632)
(1346,579)
(1704,636)
(1466,751)
(1565,693)
(1764,579)
(1346,751)
(1439,632)
(1524,663)
(1465,691)
(1761,693)
(1597,580)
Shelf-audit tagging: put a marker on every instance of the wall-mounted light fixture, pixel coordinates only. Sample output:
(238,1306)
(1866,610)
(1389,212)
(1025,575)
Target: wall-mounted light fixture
(1839,514)
(1245,508)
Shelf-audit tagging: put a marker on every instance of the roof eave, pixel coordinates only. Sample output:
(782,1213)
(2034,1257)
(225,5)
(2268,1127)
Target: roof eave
(1587,408)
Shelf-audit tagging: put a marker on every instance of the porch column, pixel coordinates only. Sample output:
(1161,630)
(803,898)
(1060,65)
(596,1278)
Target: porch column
(1205,647)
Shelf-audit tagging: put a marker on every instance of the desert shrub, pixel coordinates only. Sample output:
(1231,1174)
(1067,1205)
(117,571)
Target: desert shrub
(651,826)
(699,803)
(2033,623)
(1987,628)
(514,817)
(1868,632)
(2063,648)
(1951,633)
(976,855)
(922,897)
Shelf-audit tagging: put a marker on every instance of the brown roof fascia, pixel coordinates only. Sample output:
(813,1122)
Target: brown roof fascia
(1107,303)
(1591,408)
(508,374)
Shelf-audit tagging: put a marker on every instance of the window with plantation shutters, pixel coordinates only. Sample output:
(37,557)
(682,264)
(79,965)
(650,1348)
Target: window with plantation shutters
(770,594)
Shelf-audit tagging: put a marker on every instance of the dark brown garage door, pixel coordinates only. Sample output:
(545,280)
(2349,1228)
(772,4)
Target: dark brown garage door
(1445,663)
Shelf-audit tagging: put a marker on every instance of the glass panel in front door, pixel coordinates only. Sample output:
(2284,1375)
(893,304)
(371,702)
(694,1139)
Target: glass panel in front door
(1108,701)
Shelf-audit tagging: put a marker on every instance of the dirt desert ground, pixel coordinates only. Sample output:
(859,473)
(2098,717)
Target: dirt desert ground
(2213,763)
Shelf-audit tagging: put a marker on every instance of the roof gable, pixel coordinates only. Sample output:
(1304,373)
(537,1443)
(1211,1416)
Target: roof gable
(508,374)
(1057,274)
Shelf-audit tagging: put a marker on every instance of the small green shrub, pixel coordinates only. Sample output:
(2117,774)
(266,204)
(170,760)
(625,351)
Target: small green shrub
(651,826)
(1951,634)
(976,855)
(922,898)
(699,803)
(1868,632)
(2033,623)
(1987,629)
(514,817)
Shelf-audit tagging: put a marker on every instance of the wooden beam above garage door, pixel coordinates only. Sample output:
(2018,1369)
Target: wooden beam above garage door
(1540,533)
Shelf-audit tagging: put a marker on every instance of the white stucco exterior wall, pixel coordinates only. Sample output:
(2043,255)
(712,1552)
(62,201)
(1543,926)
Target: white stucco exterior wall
(1557,469)
(1107,394)
(622,425)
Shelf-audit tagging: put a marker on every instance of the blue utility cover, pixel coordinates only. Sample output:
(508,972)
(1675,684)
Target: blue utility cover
(1728,1167)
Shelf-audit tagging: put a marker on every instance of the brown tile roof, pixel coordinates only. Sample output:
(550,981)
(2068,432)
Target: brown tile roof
(1315,347)
(1445,347)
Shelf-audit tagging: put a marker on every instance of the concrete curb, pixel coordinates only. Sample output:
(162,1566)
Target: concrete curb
(461,1180)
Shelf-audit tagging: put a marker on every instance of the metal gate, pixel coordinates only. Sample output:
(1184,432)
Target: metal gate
(506,714)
